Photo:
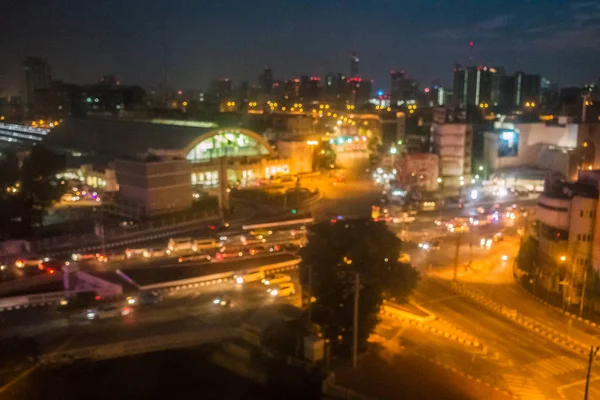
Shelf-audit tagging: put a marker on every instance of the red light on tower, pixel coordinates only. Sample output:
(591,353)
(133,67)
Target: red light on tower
(471,44)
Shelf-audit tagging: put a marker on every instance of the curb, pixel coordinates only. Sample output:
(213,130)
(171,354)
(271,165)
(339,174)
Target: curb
(470,341)
(573,316)
(526,322)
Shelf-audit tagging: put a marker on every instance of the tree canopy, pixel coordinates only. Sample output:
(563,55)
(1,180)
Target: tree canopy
(528,257)
(335,253)
(27,188)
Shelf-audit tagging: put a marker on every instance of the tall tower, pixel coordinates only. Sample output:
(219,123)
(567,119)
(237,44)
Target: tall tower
(353,65)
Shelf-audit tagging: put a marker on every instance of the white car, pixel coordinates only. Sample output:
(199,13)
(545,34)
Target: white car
(283,290)
(31,261)
(107,311)
(276,279)
(249,277)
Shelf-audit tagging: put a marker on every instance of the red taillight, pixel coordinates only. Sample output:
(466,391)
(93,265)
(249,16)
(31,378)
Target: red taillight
(180,259)
(97,297)
(212,227)
(51,271)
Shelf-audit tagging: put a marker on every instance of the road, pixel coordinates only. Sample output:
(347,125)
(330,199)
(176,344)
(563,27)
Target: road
(512,360)
(516,358)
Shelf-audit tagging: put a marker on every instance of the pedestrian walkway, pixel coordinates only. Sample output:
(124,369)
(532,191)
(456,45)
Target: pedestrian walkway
(556,366)
(523,387)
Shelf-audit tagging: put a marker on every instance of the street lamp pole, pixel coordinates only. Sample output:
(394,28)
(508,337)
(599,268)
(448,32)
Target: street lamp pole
(593,352)
(355,327)
(456,255)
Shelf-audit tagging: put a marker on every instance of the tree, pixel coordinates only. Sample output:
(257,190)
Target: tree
(528,258)
(335,253)
(27,189)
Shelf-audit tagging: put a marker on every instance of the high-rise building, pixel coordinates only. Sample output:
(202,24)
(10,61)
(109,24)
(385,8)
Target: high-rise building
(476,85)
(336,89)
(37,86)
(360,90)
(265,81)
(527,89)
(221,89)
(309,87)
(354,65)
(403,89)
(291,90)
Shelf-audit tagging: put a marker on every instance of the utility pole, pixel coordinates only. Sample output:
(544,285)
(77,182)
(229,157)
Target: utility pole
(582,299)
(309,313)
(593,352)
(456,255)
(355,329)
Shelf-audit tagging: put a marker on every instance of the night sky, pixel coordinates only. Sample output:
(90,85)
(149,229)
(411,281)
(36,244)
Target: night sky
(82,39)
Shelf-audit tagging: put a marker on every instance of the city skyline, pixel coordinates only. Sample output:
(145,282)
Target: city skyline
(420,40)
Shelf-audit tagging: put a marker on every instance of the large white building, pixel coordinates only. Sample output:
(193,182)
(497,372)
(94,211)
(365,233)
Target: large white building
(540,145)
(249,155)
(568,231)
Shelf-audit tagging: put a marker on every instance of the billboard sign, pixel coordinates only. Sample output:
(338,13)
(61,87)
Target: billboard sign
(508,143)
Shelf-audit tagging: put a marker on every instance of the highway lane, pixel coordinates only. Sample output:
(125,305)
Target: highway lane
(178,310)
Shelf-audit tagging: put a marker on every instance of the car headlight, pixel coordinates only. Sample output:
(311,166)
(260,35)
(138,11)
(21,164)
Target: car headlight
(216,301)
(131,300)
(239,280)
(91,315)
(64,302)
(267,282)
(274,292)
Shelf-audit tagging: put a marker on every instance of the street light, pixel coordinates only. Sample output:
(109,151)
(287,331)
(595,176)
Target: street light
(563,258)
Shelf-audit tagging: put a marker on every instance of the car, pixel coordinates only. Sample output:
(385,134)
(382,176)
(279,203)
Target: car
(498,237)
(283,290)
(221,301)
(52,266)
(146,298)
(181,244)
(432,245)
(107,311)
(404,258)
(82,257)
(261,233)
(485,243)
(30,261)
(249,277)
(142,252)
(276,279)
